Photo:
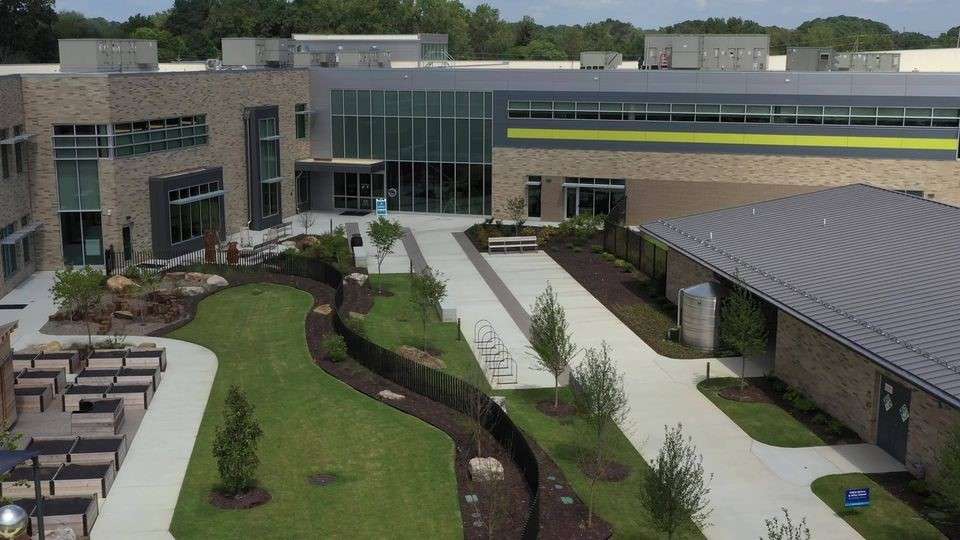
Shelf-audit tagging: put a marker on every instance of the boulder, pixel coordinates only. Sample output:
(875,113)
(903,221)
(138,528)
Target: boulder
(175,276)
(216,281)
(421,357)
(120,284)
(195,277)
(358,278)
(307,241)
(191,291)
(123,314)
(323,309)
(387,395)
(486,469)
(288,246)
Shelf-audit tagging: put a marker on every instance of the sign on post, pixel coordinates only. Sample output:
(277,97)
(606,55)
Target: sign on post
(381,206)
(856,498)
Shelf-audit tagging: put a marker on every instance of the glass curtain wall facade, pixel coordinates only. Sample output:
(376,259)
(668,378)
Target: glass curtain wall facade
(269,167)
(76,151)
(438,148)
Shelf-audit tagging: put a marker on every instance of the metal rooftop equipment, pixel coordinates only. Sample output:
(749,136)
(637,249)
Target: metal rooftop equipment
(256,52)
(712,52)
(600,60)
(869,267)
(107,55)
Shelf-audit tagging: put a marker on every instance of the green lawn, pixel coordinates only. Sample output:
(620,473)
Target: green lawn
(396,476)
(394,321)
(764,422)
(565,439)
(885,518)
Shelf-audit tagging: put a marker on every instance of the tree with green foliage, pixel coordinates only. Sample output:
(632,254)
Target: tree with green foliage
(427,290)
(675,491)
(235,444)
(9,441)
(786,529)
(384,234)
(26,31)
(516,209)
(598,390)
(948,473)
(742,326)
(79,291)
(550,338)
(169,47)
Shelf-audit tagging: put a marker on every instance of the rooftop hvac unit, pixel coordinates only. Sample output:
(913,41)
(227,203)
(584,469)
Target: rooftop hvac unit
(600,60)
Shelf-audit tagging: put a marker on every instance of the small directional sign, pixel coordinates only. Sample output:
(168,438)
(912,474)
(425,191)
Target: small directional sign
(381,206)
(856,498)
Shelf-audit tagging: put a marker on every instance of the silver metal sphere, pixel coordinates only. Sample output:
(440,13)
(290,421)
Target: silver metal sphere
(13,520)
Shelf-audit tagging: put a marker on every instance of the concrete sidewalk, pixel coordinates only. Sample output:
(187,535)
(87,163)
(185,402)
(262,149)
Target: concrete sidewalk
(752,481)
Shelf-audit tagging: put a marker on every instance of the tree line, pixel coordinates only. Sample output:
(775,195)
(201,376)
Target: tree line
(191,29)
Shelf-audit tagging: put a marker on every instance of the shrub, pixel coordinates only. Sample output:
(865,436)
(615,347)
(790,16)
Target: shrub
(545,235)
(820,418)
(799,401)
(580,228)
(596,248)
(778,386)
(336,348)
(330,248)
(577,249)
(609,257)
(835,427)
(623,265)
(235,444)
(920,487)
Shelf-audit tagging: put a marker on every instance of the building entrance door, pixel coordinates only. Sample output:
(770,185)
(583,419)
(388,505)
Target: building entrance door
(893,418)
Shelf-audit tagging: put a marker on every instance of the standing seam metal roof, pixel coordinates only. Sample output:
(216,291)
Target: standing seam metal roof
(877,270)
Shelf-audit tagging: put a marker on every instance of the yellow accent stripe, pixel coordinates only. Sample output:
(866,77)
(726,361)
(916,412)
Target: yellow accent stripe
(690,137)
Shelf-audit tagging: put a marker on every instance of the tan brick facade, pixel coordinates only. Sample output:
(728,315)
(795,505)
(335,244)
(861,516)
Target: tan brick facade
(683,272)
(104,99)
(14,189)
(675,184)
(846,384)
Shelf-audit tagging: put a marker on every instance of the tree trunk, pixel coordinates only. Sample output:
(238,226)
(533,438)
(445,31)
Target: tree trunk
(89,336)
(556,392)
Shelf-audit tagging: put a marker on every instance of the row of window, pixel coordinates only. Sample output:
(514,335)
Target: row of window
(417,139)
(415,103)
(192,219)
(199,191)
(760,114)
(93,141)
(269,136)
(17,152)
(419,187)
(13,253)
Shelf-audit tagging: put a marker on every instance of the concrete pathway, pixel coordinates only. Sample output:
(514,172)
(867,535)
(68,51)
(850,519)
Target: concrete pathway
(751,480)
(35,293)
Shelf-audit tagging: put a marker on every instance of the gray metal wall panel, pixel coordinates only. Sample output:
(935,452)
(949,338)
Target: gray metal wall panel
(743,98)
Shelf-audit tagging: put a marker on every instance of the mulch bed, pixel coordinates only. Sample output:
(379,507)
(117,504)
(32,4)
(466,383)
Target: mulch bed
(898,485)
(557,519)
(750,393)
(617,290)
(253,498)
(561,410)
(608,471)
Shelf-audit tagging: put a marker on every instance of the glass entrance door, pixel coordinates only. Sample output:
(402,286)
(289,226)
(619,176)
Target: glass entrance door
(82,238)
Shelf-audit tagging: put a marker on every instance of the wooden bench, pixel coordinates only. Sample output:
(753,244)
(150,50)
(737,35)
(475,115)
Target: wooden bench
(506,243)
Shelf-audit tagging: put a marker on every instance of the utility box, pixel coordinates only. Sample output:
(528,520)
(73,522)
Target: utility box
(600,60)
(256,52)
(867,62)
(810,58)
(107,55)
(713,52)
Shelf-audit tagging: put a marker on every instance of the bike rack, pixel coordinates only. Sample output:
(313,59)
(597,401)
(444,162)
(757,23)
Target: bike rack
(497,361)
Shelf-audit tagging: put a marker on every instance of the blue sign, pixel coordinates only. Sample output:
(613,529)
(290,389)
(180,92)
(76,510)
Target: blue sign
(856,498)
(381,206)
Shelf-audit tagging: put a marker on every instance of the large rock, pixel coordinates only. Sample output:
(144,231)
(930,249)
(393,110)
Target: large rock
(51,346)
(191,291)
(486,469)
(120,284)
(358,278)
(289,245)
(195,277)
(307,241)
(123,314)
(387,395)
(421,357)
(175,276)
(323,309)
(217,282)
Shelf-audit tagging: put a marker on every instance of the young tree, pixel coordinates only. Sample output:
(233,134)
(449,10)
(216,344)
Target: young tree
(479,407)
(80,292)
(384,234)
(598,390)
(235,444)
(516,209)
(427,290)
(743,327)
(948,474)
(675,490)
(786,529)
(550,338)
(306,219)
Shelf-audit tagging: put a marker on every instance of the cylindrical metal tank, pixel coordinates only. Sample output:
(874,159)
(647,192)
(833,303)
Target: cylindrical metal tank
(699,306)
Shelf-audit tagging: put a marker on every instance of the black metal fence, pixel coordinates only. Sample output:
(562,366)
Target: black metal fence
(436,385)
(645,254)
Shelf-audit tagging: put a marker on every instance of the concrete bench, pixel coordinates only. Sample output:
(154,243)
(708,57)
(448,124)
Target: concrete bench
(511,242)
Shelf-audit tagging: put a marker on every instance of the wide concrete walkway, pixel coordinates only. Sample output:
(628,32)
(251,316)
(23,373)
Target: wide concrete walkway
(751,480)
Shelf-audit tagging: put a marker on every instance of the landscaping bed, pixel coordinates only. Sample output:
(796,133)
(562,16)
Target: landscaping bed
(773,413)
(889,516)
(626,292)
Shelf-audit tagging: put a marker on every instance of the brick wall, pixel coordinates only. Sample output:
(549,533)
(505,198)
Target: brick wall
(124,190)
(683,272)
(673,184)
(14,190)
(845,384)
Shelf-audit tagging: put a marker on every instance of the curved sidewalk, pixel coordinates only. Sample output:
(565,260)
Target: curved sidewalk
(145,490)
(751,480)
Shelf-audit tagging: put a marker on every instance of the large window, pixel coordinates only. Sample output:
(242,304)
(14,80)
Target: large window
(9,251)
(303,119)
(737,113)
(592,195)
(438,146)
(135,138)
(194,210)
(269,166)
(18,149)
(76,151)
(4,159)
(533,196)
(352,190)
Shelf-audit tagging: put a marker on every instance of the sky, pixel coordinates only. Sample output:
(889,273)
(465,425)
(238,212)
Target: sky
(927,16)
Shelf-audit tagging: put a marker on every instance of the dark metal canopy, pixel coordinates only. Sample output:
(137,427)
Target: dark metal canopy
(11,458)
(344,165)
